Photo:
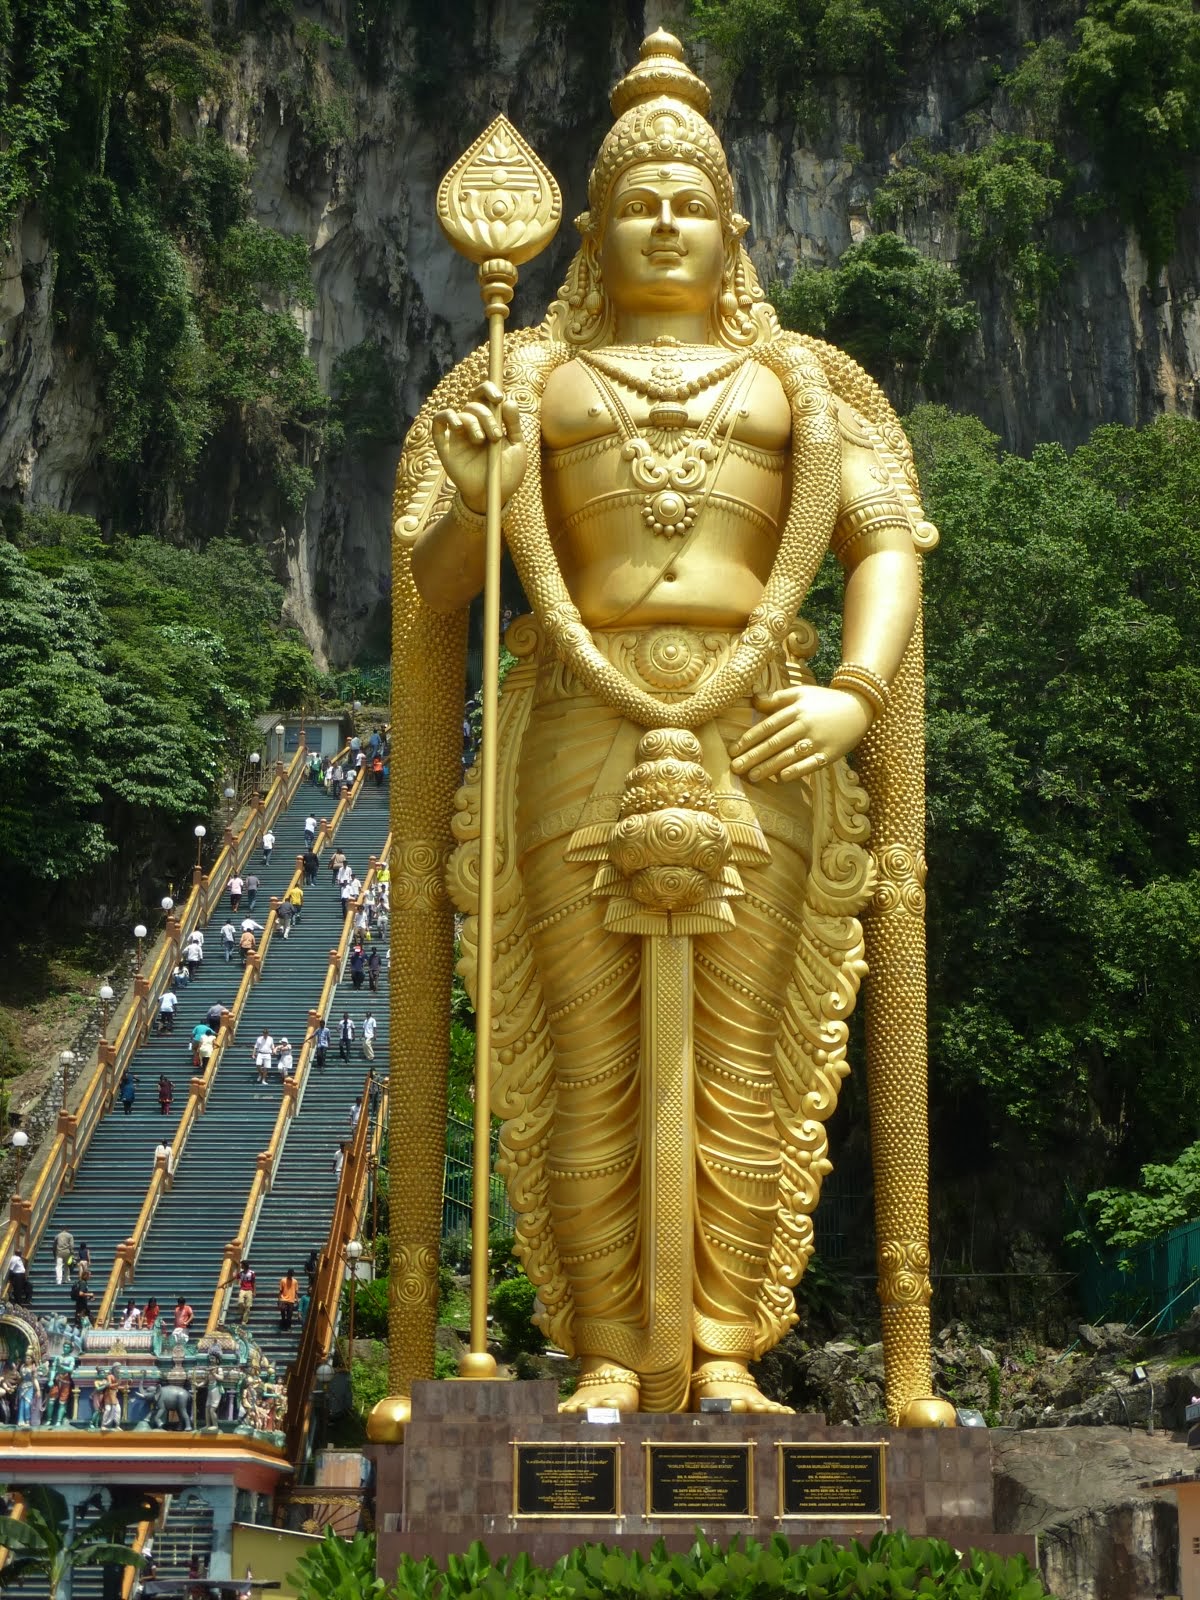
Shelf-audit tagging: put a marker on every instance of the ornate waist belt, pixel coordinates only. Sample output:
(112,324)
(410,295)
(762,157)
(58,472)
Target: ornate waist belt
(668,661)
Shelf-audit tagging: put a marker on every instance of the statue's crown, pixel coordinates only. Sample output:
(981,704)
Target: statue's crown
(661,108)
(661,70)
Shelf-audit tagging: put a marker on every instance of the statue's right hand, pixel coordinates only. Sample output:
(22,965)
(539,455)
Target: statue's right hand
(462,436)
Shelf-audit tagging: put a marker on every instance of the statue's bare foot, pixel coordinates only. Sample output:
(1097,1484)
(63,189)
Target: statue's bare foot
(603,1383)
(730,1380)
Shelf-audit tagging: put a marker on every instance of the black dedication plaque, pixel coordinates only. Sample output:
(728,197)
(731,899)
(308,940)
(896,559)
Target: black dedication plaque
(566,1480)
(699,1480)
(831,1480)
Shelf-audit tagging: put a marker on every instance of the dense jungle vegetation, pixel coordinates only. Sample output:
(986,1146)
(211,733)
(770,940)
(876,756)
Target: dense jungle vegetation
(1063,736)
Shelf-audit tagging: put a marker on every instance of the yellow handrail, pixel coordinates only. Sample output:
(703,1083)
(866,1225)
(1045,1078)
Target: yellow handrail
(127,1253)
(267,1162)
(142,1532)
(74,1130)
(321,1320)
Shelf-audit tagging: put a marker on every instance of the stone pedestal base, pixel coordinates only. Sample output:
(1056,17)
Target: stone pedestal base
(451,1481)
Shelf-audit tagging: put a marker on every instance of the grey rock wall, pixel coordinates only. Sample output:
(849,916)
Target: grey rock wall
(1111,348)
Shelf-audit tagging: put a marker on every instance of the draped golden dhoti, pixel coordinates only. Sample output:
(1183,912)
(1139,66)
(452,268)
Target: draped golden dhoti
(576,1152)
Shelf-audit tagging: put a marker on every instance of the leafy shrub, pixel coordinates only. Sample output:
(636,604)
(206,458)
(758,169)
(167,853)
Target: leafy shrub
(900,314)
(370,1309)
(1167,1196)
(1134,80)
(790,46)
(1001,196)
(338,1569)
(892,1567)
(512,1306)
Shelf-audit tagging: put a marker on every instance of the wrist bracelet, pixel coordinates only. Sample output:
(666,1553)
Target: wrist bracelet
(462,512)
(862,681)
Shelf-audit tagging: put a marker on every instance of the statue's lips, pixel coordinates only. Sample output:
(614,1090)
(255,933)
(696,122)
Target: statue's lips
(673,250)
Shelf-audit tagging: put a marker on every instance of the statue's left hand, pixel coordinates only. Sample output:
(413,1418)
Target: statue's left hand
(805,727)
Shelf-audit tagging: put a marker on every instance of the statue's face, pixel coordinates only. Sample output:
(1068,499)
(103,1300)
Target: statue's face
(663,246)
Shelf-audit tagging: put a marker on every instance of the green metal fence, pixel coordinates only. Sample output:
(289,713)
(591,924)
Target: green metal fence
(1155,1284)
(456,1188)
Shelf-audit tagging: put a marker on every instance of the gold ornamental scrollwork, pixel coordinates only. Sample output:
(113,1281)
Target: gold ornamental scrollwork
(414,1276)
(417,867)
(903,1266)
(901,879)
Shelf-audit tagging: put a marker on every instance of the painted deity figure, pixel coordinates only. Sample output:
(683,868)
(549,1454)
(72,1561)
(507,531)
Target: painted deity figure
(682,846)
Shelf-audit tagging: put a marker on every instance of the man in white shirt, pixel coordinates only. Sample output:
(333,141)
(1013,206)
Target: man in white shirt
(268,844)
(264,1051)
(167,1002)
(310,830)
(162,1152)
(370,1028)
(250,926)
(229,935)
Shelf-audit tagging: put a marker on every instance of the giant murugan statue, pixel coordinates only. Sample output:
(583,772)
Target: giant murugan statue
(683,855)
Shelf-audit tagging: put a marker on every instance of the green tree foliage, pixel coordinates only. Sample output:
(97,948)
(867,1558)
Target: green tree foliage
(44,1548)
(903,316)
(1064,806)
(1167,1195)
(129,673)
(1002,197)
(184,306)
(892,1567)
(364,397)
(1135,82)
(790,46)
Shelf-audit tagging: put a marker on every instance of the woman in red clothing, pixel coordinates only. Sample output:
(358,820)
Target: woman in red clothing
(150,1314)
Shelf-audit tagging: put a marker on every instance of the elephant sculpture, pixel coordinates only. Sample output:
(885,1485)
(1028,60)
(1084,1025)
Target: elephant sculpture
(175,1397)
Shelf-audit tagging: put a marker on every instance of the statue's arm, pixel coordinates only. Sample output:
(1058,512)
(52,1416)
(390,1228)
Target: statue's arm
(448,558)
(807,726)
(873,541)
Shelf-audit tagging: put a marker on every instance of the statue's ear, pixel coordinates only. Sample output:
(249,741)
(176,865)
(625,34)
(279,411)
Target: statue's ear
(739,226)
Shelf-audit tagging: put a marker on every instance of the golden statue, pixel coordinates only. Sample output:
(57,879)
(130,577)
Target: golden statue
(682,850)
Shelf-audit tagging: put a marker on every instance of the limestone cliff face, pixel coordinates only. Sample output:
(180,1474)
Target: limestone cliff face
(1110,348)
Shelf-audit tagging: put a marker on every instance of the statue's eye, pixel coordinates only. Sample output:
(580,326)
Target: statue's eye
(635,208)
(697,208)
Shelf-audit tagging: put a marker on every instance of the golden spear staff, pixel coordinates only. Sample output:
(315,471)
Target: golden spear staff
(499,206)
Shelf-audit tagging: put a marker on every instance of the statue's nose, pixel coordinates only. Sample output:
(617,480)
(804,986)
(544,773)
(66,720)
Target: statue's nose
(666,217)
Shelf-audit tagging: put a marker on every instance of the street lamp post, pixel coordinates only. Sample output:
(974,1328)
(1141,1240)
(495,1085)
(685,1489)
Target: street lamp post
(106,1000)
(19,1140)
(139,933)
(66,1061)
(255,759)
(354,1252)
(230,797)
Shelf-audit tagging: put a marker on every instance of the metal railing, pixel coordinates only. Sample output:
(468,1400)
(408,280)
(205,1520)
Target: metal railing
(268,1160)
(74,1130)
(127,1253)
(320,1324)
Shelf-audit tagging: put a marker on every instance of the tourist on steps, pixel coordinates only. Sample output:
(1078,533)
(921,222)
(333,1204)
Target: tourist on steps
(289,1296)
(229,935)
(64,1251)
(246,1282)
(320,1037)
(235,886)
(167,1001)
(268,844)
(370,1028)
(346,1036)
(127,1092)
(166,1091)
